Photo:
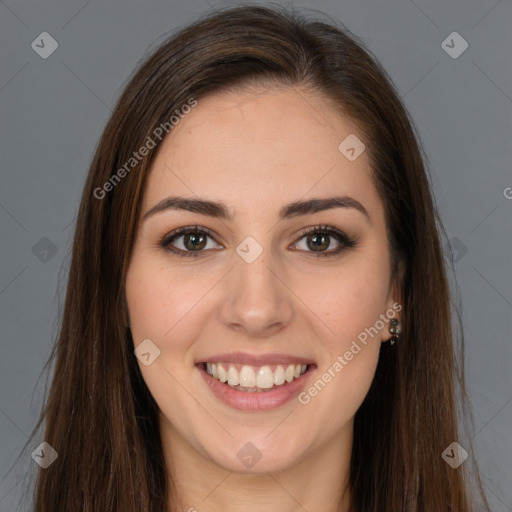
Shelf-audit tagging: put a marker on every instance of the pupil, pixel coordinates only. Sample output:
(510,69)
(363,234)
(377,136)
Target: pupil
(194,239)
(321,245)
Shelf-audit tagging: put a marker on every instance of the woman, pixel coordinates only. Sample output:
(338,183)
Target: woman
(257,311)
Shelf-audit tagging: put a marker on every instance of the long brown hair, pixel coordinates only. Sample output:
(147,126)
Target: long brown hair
(99,415)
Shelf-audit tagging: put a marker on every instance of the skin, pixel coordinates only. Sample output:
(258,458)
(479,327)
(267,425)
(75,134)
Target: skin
(255,152)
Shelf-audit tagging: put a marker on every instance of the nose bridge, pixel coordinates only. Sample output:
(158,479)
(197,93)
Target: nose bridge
(257,299)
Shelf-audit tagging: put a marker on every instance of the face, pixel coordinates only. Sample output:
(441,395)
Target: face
(289,304)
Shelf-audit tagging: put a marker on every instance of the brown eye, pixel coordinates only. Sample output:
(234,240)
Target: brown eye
(318,242)
(320,238)
(187,241)
(194,241)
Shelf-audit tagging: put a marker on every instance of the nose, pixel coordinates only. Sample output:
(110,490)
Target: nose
(256,300)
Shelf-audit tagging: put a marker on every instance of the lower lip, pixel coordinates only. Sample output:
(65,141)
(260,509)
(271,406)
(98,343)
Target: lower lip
(257,400)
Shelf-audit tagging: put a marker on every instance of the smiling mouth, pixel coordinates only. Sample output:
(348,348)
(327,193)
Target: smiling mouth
(251,378)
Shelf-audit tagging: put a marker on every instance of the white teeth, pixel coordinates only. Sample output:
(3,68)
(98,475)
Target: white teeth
(279,376)
(265,378)
(223,376)
(251,378)
(247,377)
(233,377)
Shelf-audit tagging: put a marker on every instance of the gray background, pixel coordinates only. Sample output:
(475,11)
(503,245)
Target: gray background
(52,112)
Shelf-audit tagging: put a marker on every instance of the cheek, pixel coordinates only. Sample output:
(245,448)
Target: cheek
(160,303)
(347,305)
(349,298)
(157,299)
(338,390)
(350,304)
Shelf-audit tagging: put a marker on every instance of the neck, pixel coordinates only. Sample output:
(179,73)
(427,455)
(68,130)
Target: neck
(316,482)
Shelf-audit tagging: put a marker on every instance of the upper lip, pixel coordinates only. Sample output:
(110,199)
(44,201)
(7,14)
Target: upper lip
(256,360)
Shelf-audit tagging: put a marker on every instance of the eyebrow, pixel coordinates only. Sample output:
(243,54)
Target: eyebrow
(221,211)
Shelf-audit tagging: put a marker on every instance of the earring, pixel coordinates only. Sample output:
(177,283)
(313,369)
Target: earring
(395,330)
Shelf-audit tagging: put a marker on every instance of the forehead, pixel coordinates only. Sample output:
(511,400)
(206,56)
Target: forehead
(259,149)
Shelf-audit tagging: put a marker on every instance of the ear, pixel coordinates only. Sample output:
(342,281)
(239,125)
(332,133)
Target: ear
(124,312)
(394,299)
(395,286)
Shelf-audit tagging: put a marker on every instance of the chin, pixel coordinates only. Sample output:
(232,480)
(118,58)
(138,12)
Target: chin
(258,456)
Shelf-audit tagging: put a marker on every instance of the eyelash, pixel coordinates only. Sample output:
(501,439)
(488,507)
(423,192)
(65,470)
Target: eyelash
(345,241)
